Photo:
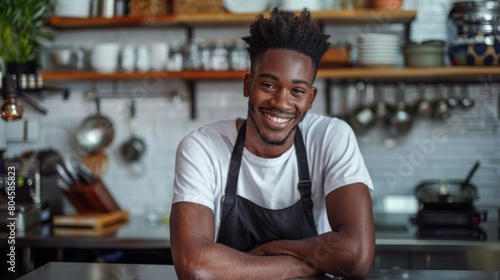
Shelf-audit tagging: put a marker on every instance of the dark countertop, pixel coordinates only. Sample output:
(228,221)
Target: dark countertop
(93,271)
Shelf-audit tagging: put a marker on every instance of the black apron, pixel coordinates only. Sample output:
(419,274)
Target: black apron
(245,224)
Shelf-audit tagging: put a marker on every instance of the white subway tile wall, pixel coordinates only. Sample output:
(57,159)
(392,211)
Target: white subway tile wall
(432,150)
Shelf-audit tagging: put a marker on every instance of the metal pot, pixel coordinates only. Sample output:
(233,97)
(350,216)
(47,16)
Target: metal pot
(95,132)
(475,16)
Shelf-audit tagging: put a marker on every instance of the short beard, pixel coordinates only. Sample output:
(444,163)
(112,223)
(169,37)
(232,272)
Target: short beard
(262,137)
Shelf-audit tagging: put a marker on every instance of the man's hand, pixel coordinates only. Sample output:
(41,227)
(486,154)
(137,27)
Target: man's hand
(276,248)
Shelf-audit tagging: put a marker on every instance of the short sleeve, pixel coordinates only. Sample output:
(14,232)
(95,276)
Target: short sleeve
(344,163)
(194,171)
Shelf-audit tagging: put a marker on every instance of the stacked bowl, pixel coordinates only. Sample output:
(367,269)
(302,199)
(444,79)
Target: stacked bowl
(378,49)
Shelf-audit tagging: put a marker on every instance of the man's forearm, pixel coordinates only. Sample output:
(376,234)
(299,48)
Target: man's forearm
(330,252)
(216,261)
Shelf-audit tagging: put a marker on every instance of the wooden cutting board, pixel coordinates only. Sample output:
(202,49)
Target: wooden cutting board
(88,224)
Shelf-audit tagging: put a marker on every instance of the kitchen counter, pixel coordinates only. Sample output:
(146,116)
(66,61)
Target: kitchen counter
(136,234)
(139,234)
(92,271)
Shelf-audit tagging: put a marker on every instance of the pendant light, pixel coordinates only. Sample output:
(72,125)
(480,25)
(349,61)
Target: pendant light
(12,108)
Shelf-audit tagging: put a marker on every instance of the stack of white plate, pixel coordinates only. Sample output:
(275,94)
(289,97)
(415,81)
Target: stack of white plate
(376,49)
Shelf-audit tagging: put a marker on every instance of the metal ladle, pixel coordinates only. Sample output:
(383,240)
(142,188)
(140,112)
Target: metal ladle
(380,107)
(423,108)
(402,119)
(453,100)
(362,117)
(466,102)
(440,109)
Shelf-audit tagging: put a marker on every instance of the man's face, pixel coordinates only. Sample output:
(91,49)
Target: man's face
(280,93)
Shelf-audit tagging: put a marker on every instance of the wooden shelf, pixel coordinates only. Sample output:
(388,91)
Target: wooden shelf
(323,73)
(228,19)
(402,72)
(73,75)
(370,16)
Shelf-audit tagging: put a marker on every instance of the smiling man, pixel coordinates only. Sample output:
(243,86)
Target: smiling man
(282,193)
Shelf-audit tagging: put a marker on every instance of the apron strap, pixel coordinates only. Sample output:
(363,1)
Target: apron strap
(304,184)
(235,163)
(300,151)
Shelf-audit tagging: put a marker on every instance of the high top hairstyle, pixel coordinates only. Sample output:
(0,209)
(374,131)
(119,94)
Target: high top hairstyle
(286,30)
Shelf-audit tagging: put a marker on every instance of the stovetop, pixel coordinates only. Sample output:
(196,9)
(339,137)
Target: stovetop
(445,224)
(452,233)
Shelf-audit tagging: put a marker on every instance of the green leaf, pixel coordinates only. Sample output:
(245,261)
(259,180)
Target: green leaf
(21,29)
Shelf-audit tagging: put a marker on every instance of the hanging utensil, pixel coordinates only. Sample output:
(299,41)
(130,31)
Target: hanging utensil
(380,108)
(422,107)
(133,149)
(95,132)
(466,102)
(344,115)
(440,109)
(362,118)
(453,101)
(402,119)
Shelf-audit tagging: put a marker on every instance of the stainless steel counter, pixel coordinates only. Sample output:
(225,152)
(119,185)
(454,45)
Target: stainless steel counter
(139,234)
(97,271)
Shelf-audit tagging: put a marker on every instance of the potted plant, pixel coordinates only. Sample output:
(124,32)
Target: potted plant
(22,33)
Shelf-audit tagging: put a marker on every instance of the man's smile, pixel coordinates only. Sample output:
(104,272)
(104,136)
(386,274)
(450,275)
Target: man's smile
(276,119)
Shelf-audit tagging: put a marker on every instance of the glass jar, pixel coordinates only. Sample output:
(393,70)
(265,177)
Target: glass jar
(240,60)
(192,55)
(141,8)
(220,56)
(206,55)
(175,61)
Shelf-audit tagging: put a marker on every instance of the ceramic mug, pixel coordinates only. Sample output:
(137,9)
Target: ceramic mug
(104,58)
(143,58)
(71,8)
(159,55)
(128,58)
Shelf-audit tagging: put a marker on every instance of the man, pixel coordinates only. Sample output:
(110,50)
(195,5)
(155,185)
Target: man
(282,194)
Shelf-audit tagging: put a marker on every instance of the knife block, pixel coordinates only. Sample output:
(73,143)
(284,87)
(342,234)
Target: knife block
(93,198)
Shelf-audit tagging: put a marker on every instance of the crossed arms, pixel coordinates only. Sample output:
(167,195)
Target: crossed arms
(346,251)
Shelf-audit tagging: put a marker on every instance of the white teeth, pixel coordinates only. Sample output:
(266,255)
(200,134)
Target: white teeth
(275,119)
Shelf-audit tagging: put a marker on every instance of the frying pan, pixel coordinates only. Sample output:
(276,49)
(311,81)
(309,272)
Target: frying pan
(133,149)
(451,191)
(95,132)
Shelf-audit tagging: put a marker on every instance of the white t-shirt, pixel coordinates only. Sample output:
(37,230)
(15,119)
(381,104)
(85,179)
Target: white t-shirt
(203,157)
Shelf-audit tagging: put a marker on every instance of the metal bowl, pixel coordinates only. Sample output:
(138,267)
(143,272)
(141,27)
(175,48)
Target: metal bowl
(95,132)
